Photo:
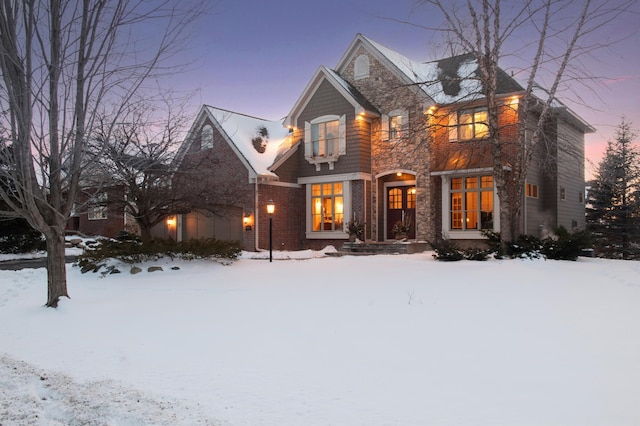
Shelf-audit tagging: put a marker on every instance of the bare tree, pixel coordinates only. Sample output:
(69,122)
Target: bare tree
(550,38)
(136,157)
(64,63)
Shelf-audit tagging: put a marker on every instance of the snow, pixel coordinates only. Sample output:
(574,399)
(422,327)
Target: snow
(315,340)
(426,75)
(241,129)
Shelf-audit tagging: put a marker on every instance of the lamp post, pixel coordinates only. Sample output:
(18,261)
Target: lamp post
(271,207)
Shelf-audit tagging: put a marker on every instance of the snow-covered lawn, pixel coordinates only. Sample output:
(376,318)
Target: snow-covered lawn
(380,340)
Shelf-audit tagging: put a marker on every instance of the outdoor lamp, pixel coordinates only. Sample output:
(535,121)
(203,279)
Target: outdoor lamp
(271,207)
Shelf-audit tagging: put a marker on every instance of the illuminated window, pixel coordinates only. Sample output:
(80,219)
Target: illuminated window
(395,198)
(327,207)
(324,137)
(395,127)
(471,203)
(468,124)
(411,198)
(97,207)
(325,140)
(532,190)
(206,138)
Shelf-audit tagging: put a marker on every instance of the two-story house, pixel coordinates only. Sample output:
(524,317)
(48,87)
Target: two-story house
(380,138)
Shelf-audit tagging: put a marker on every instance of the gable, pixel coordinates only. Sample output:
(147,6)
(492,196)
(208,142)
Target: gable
(346,91)
(256,142)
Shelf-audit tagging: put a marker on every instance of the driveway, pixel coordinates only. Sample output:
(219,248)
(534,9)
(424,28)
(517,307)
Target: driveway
(17,264)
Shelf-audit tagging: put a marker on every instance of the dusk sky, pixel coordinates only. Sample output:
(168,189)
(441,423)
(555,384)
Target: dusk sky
(256,57)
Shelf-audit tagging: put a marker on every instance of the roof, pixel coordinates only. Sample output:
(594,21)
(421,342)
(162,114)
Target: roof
(256,141)
(447,80)
(471,156)
(359,102)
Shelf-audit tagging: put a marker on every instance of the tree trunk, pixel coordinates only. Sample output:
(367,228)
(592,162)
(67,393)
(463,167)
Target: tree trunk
(56,267)
(145,233)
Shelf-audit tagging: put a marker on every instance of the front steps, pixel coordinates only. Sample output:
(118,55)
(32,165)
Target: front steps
(391,247)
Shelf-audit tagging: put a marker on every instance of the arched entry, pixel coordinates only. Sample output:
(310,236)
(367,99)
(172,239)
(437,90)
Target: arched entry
(400,207)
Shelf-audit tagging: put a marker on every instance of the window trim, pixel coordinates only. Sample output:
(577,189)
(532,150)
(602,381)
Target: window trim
(472,234)
(385,122)
(361,67)
(310,234)
(308,140)
(209,144)
(97,208)
(454,124)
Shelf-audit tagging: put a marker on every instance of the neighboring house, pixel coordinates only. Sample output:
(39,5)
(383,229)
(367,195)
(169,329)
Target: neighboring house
(380,138)
(96,213)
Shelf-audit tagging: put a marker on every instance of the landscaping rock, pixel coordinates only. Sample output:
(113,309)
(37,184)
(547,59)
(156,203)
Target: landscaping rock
(175,268)
(75,241)
(154,268)
(90,267)
(135,270)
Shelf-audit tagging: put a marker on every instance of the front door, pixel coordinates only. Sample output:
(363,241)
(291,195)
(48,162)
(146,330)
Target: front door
(401,207)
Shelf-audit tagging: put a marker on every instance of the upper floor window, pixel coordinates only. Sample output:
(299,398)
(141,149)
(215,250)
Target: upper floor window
(325,140)
(206,138)
(531,190)
(394,125)
(468,124)
(97,207)
(361,67)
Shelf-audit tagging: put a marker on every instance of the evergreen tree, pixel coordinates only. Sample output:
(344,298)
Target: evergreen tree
(613,202)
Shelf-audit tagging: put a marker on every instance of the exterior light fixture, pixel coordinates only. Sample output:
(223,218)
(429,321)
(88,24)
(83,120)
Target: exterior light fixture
(271,208)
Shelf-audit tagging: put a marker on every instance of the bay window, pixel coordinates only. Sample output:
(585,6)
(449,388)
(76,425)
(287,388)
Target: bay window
(325,140)
(471,203)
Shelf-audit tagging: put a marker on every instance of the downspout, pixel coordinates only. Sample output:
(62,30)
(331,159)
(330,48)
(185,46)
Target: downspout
(255,215)
(524,209)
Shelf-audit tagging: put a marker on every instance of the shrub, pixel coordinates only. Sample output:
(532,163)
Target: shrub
(133,251)
(446,250)
(16,236)
(525,246)
(565,245)
(477,253)
(561,246)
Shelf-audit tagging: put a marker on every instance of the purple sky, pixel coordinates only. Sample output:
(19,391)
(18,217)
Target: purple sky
(256,57)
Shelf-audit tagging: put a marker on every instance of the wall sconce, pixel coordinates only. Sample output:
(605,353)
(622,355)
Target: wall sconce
(247,222)
(171,221)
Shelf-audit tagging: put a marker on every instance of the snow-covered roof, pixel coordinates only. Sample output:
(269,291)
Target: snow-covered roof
(256,140)
(431,76)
